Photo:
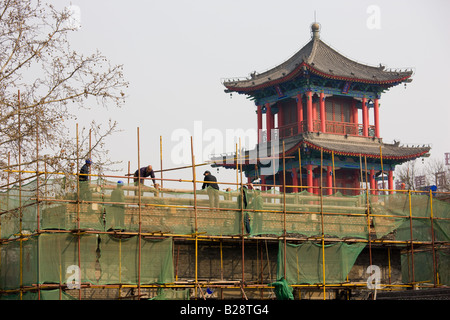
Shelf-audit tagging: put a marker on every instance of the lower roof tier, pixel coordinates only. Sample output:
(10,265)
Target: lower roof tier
(308,142)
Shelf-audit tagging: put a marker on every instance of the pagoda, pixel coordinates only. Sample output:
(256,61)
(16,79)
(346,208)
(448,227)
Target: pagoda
(313,119)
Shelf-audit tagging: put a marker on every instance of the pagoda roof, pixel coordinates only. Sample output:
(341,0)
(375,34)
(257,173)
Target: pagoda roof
(352,146)
(355,146)
(318,58)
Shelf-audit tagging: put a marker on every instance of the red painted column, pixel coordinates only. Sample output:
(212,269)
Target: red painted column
(354,112)
(391,181)
(365,118)
(269,121)
(372,181)
(322,112)
(309,177)
(376,118)
(329,180)
(263,181)
(294,180)
(280,117)
(309,111)
(355,118)
(260,122)
(299,114)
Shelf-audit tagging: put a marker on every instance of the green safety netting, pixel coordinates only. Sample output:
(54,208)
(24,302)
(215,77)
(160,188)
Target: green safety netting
(106,206)
(410,217)
(103,259)
(282,290)
(425,263)
(301,213)
(304,262)
(53,294)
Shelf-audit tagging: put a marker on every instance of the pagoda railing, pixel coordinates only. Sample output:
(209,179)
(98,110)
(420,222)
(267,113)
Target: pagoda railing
(334,127)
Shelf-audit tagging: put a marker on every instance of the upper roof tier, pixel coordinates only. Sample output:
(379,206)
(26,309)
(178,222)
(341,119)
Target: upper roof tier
(319,58)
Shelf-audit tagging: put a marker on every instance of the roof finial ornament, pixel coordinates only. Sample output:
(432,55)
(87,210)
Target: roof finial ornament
(315,30)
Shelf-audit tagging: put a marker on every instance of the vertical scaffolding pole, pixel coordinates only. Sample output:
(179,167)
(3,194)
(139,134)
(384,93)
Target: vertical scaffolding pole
(78,210)
(140,212)
(195,212)
(242,218)
(20,196)
(161,159)
(37,204)
(368,214)
(382,171)
(432,240)
(322,222)
(334,171)
(361,173)
(284,209)
(300,168)
(411,235)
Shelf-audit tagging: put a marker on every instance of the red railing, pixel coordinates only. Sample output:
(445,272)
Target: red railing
(353,129)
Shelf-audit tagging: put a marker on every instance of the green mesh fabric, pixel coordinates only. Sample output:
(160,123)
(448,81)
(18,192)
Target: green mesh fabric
(411,217)
(423,266)
(304,262)
(443,257)
(48,258)
(282,290)
(255,212)
(54,294)
(106,259)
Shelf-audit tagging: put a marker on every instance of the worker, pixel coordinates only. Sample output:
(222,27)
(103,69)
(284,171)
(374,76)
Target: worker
(83,178)
(211,186)
(142,173)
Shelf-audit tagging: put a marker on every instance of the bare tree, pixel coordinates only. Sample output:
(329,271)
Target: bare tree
(408,173)
(438,174)
(435,172)
(43,83)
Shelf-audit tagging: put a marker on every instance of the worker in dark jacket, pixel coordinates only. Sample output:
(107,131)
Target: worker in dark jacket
(83,178)
(210,183)
(142,173)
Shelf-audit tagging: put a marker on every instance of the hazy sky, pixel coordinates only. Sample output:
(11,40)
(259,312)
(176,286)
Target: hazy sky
(176,53)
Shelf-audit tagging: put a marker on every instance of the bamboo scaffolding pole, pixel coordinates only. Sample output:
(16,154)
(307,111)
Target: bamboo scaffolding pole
(139,212)
(334,170)
(369,237)
(20,195)
(382,170)
(78,208)
(284,211)
(411,235)
(432,240)
(239,163)
(161,158)
(322,224)
(195,211)
(37,200)
(300,168)
(361,172)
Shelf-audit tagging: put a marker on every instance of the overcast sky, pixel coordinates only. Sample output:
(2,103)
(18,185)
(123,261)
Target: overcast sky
(176,53)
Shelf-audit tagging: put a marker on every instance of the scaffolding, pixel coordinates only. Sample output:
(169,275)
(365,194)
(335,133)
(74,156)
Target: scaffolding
(61,237)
